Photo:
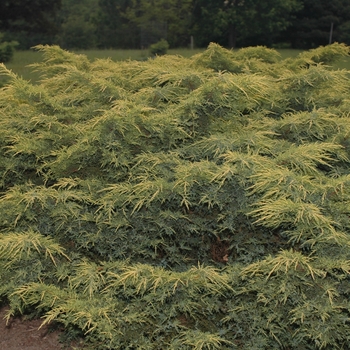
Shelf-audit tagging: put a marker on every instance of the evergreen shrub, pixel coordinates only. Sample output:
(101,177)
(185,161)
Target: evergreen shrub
(7,49)
(180,203)
(159,48)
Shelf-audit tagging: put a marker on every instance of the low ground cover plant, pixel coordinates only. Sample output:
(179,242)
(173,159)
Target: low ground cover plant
(180,203)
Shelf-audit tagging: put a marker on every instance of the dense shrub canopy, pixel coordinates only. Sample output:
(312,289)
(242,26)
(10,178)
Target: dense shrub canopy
(180,203)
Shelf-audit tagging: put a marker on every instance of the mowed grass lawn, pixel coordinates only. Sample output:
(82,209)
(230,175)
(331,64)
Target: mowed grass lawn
(23,59)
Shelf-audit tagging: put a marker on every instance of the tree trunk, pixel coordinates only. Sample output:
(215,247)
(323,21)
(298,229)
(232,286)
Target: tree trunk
(232,36)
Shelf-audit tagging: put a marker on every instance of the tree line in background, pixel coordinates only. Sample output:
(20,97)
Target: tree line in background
(84,24)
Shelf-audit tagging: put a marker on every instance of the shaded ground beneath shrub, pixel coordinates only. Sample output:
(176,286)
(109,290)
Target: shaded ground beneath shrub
(22,334)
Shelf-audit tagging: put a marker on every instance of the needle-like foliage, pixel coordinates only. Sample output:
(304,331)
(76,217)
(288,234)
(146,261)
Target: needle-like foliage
(180,203)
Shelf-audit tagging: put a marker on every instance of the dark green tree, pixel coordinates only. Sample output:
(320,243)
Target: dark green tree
(29,22)
(135,23)
(242,22)
(77,24)
(343,32)
(312,24)
(36,15)
(113,30)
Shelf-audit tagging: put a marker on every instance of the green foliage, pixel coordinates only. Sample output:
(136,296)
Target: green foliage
(137,23)
(344,32)
(78,30)
(36,16)
(7,49)
(159,48)
(311,25)
(241,23)
(180,203)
